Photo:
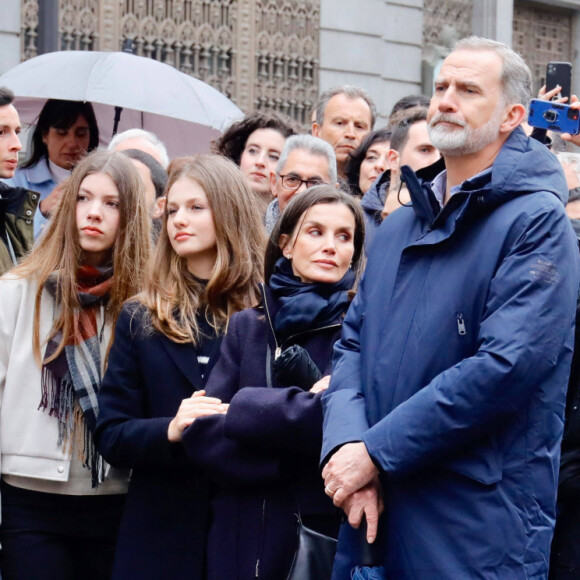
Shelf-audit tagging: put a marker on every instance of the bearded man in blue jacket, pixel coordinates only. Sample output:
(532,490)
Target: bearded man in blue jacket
(447,396)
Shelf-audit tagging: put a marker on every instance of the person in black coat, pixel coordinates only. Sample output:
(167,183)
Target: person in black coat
(565,552)
(263,453)
(207,265)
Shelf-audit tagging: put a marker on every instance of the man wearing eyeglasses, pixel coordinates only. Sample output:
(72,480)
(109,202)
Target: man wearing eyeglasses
(305,161)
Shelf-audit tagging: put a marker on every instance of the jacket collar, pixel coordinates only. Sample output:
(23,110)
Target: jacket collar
(374,199)
(269,307)
(523,166)
(39,173)
(185,359)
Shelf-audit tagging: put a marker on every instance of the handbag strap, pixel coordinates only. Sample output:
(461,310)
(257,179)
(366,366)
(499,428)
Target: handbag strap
(268,366)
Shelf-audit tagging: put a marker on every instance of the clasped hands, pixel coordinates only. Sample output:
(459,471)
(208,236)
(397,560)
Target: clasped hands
(198,405)
(351,479)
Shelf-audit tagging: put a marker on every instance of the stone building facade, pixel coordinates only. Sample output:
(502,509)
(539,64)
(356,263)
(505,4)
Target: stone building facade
(282,53)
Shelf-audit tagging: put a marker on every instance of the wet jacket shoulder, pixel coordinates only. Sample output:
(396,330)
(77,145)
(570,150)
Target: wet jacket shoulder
(17,208)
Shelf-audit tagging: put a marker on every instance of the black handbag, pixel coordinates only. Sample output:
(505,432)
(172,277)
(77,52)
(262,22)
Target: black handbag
(314,555)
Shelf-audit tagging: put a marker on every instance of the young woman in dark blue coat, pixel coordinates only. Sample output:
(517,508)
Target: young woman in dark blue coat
(263,452)
(207,265)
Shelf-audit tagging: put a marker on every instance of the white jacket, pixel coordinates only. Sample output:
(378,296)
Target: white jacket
(28,435)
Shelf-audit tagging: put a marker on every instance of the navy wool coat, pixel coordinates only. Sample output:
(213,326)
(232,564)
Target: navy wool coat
(263,454)
(164,526)
(453,366)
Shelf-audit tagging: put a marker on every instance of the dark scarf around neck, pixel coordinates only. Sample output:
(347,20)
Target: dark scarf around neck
(75,374)
(306,306)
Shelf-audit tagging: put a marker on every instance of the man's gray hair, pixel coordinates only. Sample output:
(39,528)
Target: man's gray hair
(313,146)
(351,92)
(142,134)
(516,77)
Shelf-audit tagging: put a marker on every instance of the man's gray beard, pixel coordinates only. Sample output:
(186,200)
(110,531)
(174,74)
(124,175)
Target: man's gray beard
(465,140)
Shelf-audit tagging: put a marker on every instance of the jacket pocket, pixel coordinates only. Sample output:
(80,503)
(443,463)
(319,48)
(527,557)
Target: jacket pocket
(482,462)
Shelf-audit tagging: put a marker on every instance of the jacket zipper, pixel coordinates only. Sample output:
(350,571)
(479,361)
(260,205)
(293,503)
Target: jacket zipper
(461,325)
(257,572)
(267,309)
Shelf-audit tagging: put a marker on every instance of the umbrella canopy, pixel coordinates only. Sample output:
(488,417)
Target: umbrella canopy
(184,112)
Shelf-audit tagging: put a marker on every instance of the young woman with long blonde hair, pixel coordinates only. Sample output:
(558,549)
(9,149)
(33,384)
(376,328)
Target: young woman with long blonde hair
(207,265)
(61,504)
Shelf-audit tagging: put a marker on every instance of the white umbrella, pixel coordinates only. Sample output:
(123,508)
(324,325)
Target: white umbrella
(184,112)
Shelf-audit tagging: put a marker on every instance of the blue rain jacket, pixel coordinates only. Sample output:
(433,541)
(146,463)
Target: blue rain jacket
(452,368)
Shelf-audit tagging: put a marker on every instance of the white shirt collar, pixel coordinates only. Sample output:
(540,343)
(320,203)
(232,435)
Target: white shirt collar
(58,172)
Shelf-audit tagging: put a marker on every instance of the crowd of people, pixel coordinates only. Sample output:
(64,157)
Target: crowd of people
(362,335)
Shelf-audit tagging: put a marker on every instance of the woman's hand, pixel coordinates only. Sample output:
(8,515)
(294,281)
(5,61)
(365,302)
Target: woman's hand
(321,385)
(548,96)
(48,204)
(198,405)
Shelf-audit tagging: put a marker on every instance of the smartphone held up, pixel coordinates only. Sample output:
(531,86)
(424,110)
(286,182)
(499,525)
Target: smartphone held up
(552,116)
(559,74)
(552,111)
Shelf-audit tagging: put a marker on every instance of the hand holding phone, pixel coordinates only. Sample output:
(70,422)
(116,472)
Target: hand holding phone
(552,116)
(559,73)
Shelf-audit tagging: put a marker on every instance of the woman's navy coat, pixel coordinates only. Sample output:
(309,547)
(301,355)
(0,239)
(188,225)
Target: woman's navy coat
(164,527)
(263,454)
(453,366)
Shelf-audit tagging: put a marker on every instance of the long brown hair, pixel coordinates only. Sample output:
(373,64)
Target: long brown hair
(172,295)
(59,251)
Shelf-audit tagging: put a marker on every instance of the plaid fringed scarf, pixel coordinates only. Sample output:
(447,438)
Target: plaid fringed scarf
(75,374)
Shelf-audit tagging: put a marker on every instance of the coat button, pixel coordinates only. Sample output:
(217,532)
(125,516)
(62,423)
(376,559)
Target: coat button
(28,222)
(60,469)
(34,197)
(28,212)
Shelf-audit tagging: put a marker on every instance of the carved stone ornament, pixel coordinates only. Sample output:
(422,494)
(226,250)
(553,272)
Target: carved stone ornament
(542,34)
(260,53)
(446,21)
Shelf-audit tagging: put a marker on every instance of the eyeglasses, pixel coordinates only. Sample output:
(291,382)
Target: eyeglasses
(292,182)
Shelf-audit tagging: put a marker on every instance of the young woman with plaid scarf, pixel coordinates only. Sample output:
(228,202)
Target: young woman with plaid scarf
(61,503)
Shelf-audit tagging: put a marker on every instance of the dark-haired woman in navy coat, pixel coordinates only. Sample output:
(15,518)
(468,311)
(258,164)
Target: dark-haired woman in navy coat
(263,452)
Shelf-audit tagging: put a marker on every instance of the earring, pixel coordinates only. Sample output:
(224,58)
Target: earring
(288,256)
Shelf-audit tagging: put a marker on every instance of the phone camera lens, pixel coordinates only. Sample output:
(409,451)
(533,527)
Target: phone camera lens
(573,114)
